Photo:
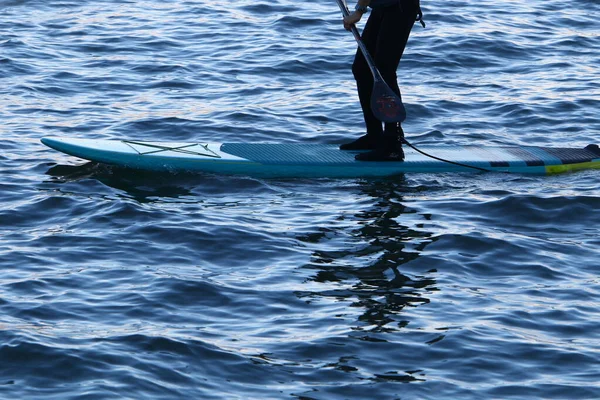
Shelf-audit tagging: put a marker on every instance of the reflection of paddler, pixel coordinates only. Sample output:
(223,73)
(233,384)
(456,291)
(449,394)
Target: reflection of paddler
(385,36)
(370,271)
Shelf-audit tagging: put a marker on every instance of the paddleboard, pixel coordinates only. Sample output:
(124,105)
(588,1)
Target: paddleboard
(320,160)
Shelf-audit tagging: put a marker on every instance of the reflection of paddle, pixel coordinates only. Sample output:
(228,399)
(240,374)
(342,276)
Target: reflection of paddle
(385,104)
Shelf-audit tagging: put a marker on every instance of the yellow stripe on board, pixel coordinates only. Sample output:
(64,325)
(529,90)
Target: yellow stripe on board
(559,169)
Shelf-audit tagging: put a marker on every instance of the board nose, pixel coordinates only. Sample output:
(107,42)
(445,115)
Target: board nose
(50,141)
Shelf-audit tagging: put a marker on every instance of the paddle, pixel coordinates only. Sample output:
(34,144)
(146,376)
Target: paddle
(385,104)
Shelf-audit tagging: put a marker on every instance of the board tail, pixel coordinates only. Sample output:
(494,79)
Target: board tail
(594,148)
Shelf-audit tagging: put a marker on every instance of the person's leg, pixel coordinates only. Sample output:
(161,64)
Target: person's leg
(364,84)
(394,32)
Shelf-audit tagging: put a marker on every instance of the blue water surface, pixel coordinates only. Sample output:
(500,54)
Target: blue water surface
(117,284)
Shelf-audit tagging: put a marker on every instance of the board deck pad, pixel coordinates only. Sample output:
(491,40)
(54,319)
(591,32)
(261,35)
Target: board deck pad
(318,160)
(281,153)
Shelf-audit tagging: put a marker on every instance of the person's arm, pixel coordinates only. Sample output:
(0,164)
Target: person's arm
(355,16)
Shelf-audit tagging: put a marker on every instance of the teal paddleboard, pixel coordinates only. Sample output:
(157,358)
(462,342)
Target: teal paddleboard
(320,160)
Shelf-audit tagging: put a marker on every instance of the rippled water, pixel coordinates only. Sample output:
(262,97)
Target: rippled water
(122,284)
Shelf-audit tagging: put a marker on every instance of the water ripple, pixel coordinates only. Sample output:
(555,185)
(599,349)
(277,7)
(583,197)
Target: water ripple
(125,284)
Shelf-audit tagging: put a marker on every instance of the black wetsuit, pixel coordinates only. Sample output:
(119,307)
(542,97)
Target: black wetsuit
(385,35)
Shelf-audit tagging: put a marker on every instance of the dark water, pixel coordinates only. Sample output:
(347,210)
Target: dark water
(121,284)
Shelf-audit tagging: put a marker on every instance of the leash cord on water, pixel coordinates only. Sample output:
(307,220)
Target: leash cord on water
(443,160)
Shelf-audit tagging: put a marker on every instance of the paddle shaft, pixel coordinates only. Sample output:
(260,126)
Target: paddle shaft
(361,45)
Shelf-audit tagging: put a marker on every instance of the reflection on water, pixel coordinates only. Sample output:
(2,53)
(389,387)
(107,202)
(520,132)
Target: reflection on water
(142,186)
(72,173)
(380,245)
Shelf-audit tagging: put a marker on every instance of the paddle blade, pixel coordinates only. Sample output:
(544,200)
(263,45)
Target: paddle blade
(386,105)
